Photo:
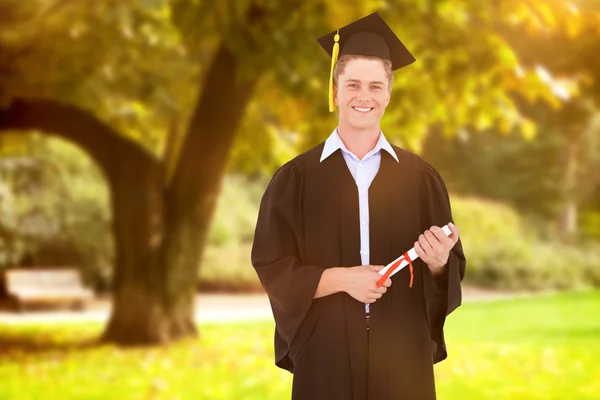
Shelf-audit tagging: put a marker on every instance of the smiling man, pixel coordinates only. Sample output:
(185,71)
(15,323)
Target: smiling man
(332,217)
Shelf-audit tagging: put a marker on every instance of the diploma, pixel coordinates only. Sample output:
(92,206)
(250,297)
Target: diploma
(402,261)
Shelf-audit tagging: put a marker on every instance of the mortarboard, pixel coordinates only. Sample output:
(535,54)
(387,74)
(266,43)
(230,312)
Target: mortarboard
(369,36)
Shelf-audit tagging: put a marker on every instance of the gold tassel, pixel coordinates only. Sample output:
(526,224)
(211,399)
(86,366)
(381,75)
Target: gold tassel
(334,58)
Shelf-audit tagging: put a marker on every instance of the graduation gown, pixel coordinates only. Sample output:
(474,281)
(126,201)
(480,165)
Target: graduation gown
(309,221)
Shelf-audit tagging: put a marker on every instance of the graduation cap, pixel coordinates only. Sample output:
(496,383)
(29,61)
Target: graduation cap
(368,36)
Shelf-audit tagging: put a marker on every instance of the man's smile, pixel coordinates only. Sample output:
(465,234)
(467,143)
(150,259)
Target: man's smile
(363,109)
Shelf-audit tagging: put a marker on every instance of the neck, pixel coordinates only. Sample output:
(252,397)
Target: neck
(359,141)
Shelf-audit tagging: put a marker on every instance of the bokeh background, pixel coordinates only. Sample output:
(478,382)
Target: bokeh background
(137,137)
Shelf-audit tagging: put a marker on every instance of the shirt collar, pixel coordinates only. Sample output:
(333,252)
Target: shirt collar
(334,142)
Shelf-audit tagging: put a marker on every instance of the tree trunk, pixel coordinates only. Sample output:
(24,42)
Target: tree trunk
(160,307)
(568,219)
(189,203)
(567,224)
(146,308)
(159,232)
(152,302)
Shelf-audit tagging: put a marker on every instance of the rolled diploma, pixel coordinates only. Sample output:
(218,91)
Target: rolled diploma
(412,253)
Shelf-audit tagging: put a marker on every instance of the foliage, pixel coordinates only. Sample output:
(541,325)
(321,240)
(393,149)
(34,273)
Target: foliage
(55,205)
(229,269)
(456,83)
(590,223)
(56,209)
(526,349)
(139,65)
(122,60)
(504,251)
(226,264)
(237,211)
(66,200)
(524,174)
(527,174)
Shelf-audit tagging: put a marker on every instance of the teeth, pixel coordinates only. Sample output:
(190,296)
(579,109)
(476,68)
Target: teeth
(362,109)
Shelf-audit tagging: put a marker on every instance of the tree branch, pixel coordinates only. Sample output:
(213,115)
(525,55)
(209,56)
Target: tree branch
(215,120)
(99,140)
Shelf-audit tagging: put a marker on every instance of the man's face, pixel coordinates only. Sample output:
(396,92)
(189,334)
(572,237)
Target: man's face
(362,93)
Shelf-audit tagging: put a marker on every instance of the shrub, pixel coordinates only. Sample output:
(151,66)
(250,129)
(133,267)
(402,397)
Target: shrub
(502,251)
(236,212)
(228,268)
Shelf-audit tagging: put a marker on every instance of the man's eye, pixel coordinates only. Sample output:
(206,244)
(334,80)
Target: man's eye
(353,85)
(376,87)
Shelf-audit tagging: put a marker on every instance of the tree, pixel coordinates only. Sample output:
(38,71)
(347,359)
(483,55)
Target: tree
(160,119)
(161,216)
(548,175)
(567,61)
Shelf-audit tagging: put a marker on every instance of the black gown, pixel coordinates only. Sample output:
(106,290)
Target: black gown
(308,221)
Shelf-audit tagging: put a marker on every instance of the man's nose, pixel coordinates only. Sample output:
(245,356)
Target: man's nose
(363,94)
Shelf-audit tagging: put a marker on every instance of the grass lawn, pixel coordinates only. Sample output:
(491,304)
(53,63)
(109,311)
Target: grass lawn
(532,348)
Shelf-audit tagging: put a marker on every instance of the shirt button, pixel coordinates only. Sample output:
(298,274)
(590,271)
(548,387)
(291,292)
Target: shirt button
(360,165)
(362,192)
(363,223)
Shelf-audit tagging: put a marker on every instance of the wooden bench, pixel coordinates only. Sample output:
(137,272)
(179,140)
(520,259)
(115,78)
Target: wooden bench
(46,286)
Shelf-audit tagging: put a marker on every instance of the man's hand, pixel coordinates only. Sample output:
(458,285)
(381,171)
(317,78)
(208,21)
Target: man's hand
(361,283)
(433,247)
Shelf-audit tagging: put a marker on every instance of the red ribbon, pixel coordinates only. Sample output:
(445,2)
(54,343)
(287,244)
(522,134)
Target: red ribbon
(393,267)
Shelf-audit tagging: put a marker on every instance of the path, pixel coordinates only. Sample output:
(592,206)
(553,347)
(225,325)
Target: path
(209,308)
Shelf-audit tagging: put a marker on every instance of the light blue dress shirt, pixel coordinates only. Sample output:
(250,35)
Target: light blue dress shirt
(363,171)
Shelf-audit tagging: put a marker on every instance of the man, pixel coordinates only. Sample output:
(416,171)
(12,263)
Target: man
(332,217)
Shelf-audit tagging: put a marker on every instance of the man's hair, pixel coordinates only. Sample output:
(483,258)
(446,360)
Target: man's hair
(344,59)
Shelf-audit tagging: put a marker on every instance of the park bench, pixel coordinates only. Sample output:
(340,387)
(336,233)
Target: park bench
(47,286)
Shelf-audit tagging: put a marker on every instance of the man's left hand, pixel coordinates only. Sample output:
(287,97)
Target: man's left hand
(434,247)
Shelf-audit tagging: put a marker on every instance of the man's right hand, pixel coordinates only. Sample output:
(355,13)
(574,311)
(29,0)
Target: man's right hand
(360,282)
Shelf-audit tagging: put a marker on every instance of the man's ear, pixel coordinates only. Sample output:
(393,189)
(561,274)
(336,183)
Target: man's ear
(389,95)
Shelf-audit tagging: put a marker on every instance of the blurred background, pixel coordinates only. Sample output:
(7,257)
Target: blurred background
(137,138)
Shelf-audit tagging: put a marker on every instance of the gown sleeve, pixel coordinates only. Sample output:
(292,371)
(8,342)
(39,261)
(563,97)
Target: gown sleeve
(290,284)
(443,293)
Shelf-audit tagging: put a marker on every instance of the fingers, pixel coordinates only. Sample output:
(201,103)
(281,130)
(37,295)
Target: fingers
(420,252)
(377,293)
(374,295)
(447,241)
(371,298)
(434,236)
(372,288)
(455,232)
(435,233)
(381,290)
(432,243)
(425,245)
(387,283)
